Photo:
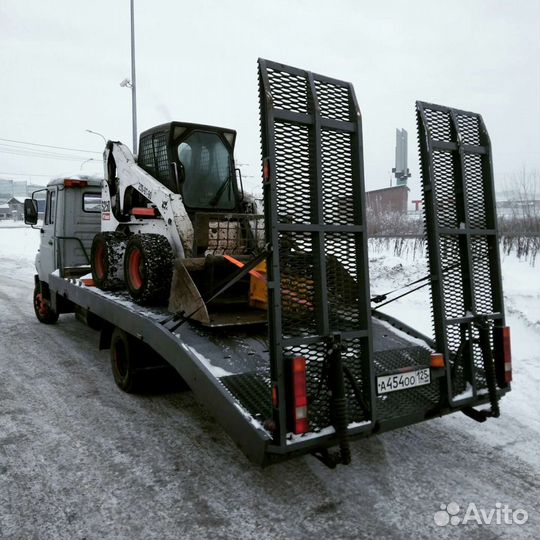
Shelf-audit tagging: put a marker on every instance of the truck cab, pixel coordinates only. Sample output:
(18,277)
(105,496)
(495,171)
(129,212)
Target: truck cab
(70,221)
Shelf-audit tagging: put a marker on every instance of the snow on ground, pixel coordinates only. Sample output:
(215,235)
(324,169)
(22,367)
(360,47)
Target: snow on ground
(11,223)
(521,286)
(18,247)
(79,459)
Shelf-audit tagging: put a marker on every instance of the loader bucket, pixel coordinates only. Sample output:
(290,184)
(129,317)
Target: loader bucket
(185,298)
(205,288)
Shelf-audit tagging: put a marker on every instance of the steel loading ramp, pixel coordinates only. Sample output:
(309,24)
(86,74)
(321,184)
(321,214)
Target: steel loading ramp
(463,247)
(318,282)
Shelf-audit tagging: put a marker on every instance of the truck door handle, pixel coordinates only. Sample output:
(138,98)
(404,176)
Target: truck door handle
(50,242)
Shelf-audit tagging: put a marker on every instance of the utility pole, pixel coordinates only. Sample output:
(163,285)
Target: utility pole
(133,82)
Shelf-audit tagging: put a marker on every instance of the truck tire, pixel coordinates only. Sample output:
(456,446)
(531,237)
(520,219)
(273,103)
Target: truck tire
(44,313)
(148,267)
(106,260)
(125,362)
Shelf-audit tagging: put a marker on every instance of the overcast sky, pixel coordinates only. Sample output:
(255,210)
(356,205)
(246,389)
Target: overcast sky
(62,61)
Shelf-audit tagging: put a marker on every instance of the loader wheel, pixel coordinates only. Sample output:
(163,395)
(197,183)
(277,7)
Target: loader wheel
(44,313)
(106,260)
(125,362)
(148,266)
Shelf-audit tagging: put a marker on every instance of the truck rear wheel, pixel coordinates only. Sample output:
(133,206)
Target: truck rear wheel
(106,260)
(42,308)
(125,362)
(148,267)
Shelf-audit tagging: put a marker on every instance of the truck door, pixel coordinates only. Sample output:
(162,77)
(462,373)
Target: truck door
(47,250)
(81,215)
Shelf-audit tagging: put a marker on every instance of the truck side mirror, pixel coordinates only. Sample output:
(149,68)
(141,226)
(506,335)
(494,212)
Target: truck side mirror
(30,211)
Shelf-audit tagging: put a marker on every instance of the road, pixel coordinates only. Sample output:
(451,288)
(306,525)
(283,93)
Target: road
(79,459)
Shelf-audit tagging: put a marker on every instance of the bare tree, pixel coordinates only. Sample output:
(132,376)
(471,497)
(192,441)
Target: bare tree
(519,214)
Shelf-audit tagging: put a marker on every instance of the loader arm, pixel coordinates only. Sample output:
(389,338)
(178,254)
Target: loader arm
(127,174)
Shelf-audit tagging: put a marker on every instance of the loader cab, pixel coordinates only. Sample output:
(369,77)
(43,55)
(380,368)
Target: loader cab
(195,161)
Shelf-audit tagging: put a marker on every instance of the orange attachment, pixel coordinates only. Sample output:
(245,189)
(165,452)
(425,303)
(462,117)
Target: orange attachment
(258,289)
(88,282)
(437,360)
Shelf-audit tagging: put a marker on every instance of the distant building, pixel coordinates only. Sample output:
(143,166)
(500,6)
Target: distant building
(16,206)
(16,188)
(388,200)
(400,170)
(6,189)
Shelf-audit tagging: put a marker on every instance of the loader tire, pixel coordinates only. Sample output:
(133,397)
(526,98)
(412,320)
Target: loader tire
(42,308)
(106,260)
(125,362)
(148,267)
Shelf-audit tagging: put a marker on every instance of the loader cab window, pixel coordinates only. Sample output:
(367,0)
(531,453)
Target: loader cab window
(207,167)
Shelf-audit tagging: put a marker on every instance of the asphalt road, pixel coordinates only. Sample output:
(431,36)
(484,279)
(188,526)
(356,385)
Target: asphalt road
(81,459)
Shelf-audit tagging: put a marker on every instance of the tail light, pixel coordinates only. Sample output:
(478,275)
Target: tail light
(503,355)
(266,169)
(437,360)
(299,395)
(72,183)
(507,354)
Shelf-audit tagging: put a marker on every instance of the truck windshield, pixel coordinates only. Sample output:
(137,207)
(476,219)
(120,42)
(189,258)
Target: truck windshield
(208,182)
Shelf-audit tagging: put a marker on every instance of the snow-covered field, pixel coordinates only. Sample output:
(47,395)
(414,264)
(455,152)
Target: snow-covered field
(79,459)
(521,285)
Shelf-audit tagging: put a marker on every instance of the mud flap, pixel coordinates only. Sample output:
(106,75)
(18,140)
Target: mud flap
(463,249)
(318,283)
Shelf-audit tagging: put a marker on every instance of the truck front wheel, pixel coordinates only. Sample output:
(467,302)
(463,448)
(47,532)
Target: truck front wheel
(148,266)
(42,308)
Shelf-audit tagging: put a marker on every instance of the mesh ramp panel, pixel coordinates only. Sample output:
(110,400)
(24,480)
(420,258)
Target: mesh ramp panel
(459,204)
(315,222)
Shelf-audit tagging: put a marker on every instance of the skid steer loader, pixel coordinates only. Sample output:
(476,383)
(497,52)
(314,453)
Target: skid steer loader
(179,215)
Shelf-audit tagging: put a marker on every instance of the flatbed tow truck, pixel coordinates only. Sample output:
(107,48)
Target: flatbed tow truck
(322,367)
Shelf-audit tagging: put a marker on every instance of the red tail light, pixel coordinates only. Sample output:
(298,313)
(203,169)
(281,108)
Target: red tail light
(299,395)
(503,355)
(507,354)
(274,397)
(71,182)
(266,169)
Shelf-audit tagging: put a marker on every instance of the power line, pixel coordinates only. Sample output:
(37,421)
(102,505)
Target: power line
(26,174)
(50,146)
(38,154)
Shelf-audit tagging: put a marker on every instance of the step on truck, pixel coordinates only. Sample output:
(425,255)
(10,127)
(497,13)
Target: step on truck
(268,317)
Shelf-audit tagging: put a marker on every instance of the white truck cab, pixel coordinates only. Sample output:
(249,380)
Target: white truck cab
(71,219)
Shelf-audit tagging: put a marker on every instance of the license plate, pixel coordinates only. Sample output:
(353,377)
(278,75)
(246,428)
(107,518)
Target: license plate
(403,380)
